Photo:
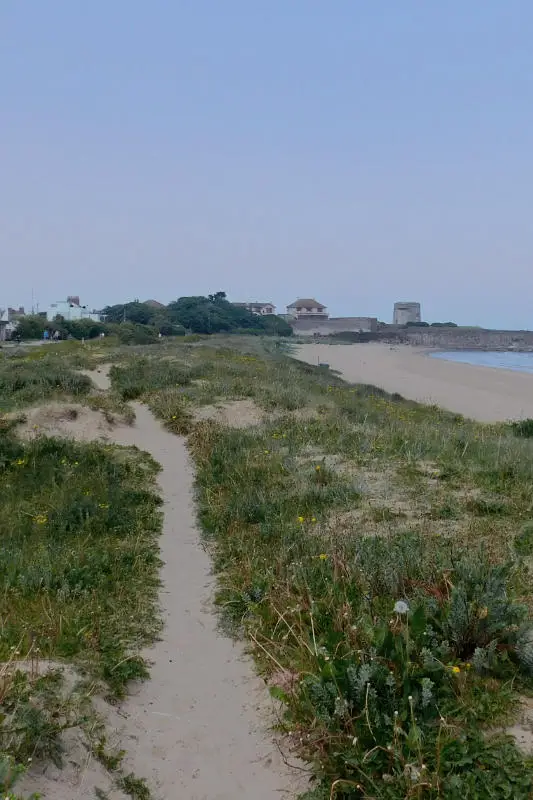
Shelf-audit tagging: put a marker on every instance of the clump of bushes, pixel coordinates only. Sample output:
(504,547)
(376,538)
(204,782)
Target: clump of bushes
(523,427)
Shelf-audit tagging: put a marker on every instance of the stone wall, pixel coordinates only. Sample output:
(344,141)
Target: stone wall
(466,338)
(324,327)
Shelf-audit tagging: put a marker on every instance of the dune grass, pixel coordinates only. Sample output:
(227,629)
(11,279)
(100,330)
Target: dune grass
(79,567)
(377,555)
(78,554)
(24,382)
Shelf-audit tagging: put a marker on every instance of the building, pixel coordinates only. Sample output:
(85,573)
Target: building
(71,310)
(4,322)
(306,308)
(406,312)
(260,309)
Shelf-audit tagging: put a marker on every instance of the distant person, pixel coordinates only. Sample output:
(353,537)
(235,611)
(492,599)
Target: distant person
(46,335)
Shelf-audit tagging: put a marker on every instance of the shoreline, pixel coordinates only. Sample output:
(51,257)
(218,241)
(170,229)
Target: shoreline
(484,393)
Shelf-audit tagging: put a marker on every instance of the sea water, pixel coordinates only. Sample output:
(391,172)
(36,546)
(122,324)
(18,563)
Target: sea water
(519,362)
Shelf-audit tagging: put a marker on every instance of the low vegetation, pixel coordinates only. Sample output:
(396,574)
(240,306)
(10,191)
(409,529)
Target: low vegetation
(25,381)
(79,573)
(78,532)
(375,554)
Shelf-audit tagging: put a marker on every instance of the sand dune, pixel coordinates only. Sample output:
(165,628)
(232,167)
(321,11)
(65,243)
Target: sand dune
(198,729)
(482,393)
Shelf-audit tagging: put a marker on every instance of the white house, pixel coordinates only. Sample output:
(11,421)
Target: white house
(307,307)
(71,309)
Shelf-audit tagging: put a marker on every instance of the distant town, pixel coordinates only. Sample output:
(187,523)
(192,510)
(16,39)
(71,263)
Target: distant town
(306,316)
(141,322)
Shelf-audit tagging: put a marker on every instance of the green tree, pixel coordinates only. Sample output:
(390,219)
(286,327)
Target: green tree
(32,327)
(139,313)
(130,333)
(214,314)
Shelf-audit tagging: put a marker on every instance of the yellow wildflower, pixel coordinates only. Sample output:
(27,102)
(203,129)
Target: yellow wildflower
(41,519)
(317,468)
(313,519)
(103,505)
(301,519)
(323,556)
(20,462)
(456,670)
(468,665)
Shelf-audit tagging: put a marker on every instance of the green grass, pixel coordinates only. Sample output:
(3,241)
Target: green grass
(79,567)
(319,521)
(342,503)
(78,554)
(23,382)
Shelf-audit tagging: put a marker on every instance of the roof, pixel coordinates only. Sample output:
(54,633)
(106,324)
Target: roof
(306,301)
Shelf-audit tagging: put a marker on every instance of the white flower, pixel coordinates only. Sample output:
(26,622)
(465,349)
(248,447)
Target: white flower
(401,607)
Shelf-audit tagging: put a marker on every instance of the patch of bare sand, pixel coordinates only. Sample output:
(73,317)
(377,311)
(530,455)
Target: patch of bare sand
(385,521)
(81,772)
(233,413)
(522,730)
(67,420)
(99,377)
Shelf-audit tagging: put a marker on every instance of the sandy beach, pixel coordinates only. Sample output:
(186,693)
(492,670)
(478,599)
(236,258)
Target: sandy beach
(483,393)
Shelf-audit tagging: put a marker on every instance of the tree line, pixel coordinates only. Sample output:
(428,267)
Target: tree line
(144,322)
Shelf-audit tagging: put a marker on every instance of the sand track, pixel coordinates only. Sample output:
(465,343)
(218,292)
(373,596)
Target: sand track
(197,729)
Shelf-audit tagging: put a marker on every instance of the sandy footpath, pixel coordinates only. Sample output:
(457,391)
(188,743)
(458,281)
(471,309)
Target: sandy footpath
(482,393)
(198,728)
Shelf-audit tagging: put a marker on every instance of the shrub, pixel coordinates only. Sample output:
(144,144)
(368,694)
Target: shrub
(131,333)
(523,427)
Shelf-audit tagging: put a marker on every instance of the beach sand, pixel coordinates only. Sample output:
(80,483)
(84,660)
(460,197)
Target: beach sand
(483,393)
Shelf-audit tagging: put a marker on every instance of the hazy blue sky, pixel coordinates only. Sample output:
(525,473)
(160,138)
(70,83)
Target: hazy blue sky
(356,151)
